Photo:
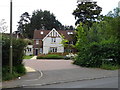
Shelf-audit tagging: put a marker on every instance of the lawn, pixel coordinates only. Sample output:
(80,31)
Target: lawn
(27,57)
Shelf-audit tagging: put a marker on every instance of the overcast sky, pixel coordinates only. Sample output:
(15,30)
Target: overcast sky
(62,9)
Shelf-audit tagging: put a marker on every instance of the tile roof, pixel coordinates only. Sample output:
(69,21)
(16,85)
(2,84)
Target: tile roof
(38,35)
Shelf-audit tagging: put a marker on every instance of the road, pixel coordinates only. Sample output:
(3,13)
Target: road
(97,83)
(56,71)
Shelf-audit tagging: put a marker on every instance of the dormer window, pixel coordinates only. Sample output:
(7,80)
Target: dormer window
(69,33)
(41,32)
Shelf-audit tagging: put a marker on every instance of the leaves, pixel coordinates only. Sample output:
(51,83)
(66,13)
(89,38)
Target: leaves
(87,13)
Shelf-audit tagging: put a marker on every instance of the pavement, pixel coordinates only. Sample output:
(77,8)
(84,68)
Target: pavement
(47,72)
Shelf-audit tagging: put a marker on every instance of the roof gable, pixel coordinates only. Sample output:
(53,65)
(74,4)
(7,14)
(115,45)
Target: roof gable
(52,33)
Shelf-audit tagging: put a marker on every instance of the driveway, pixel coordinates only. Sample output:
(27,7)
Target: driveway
(45,65)
(57,71)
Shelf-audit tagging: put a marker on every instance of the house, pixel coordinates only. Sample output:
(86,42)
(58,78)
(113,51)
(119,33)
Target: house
(29,48)
(46,41)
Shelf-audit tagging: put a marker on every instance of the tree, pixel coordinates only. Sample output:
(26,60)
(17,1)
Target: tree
(114,13)
(3,27)
(45,20)
(39,20)
(24,21)
(87,13)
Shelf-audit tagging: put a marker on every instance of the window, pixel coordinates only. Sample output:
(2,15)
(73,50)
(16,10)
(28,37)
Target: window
(41,32)
(37,41)
(69,33)
(53,49)
(41,50)
(53,40)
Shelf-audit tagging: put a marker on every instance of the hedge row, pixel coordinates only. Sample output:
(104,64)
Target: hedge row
(50,56)
(18,50)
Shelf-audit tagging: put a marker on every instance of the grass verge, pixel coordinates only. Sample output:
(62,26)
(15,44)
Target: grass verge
(110,67)
(27,57)
(18,71)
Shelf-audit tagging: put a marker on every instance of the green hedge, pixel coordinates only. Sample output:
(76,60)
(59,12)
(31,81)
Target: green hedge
(18,70)
(18,50)
(96,54)
(50,56)
(18,53)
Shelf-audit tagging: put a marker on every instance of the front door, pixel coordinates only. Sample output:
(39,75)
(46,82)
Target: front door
(36,51)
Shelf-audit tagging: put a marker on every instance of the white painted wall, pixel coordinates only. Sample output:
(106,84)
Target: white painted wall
(47,43)
(29,52)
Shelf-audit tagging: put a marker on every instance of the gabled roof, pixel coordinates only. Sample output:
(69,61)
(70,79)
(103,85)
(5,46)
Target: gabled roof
(51,33)
(38,35)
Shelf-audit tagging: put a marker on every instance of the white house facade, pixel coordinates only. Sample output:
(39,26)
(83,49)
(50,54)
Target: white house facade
(52,42)
(46,41)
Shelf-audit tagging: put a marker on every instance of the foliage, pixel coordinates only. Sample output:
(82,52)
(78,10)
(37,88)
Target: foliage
(87,13)
(29,41)
(64,41)
(39,20)
(114,13)
(109,67)
(24,19)
(17,71)
(18,50)
(50,56)
(100,42)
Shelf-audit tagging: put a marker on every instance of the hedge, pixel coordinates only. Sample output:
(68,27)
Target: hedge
(50,56)
(18,50)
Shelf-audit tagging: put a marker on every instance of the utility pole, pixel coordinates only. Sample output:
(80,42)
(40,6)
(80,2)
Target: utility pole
(11,58)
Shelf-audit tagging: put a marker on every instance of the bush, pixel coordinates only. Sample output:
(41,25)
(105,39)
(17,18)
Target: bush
(109,66)
(89,56)
(50,56)
(17,71)
(95,54)
(18,53)
(18,50)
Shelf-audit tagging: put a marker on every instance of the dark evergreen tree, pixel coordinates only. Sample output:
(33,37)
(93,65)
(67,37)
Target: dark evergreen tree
(87,13)
(24,19)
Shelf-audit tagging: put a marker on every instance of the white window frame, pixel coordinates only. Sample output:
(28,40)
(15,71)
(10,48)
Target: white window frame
(53,49)
(53,40)
(37,41)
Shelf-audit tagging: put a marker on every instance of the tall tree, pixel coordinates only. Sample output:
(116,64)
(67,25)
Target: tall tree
(114,13)
(24,20)
(87,12)
(39,20)
(44,20)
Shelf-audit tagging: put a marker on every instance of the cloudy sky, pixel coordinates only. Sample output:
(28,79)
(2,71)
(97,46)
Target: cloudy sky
(62,9)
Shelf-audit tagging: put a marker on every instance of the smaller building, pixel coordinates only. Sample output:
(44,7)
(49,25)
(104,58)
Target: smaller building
(29,50)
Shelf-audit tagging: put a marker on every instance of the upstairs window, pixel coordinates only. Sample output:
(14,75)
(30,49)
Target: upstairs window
(53,40)
(69,33)
(37,41)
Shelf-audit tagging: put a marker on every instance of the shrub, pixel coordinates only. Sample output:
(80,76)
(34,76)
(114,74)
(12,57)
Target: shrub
(18,50)
(17,71)
(95,54)
(18,53)
(109,66)
(50,56)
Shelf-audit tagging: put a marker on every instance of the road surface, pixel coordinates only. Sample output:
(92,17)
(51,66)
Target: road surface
(97,83)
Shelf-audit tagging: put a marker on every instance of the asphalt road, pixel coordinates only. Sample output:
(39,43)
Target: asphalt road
(97,83)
